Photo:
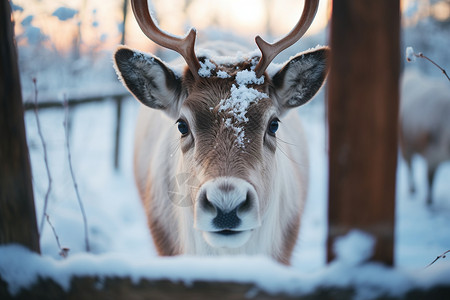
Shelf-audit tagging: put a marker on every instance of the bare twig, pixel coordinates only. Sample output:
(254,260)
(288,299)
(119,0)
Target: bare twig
(63,251)
(80,203)
(44,147)
(410,54)
(443,255)
(421,55)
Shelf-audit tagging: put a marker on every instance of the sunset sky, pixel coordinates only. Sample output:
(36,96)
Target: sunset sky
(100,19)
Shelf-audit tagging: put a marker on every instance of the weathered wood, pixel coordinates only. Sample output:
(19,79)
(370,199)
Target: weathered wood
(117,132)
(95,288)
(119,100)
(363,102)
(17,213)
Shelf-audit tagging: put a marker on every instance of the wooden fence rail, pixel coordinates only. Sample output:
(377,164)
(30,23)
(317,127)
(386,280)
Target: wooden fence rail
(117,96)
(73,101)
(94,288)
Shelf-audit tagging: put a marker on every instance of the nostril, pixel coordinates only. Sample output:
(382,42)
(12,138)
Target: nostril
(246,205)
(206,204)
(227,220)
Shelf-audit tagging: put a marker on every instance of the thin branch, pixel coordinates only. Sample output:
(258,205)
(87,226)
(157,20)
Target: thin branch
(421,55)
(410,54)
(69,155)
(44,147)
(63,251)
(443,255)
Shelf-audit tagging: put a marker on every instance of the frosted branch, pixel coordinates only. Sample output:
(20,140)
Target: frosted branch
(75,184)
(63,251)
(443,255)
(44,147)
(411,55)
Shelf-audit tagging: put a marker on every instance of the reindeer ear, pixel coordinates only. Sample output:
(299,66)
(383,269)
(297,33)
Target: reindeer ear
(300,78)
(149,80)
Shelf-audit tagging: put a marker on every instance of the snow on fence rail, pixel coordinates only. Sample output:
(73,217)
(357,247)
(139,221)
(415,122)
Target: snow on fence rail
(114,92)
(27,275)
(91,287)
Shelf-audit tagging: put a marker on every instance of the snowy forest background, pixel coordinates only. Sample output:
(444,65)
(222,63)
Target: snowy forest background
(67,47)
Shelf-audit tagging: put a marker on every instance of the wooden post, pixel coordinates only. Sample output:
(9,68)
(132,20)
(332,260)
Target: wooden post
(119,100)
(17,213)
(363,100)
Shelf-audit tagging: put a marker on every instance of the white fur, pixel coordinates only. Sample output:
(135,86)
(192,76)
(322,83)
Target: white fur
(157,160)
(277,188)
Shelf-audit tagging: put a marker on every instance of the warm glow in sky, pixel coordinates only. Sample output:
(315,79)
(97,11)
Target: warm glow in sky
(246,18)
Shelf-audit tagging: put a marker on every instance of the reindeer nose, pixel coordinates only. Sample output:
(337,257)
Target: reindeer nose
(228,205)
(227,218)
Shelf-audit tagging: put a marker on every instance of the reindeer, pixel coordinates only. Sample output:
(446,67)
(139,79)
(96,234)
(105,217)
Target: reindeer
(220,165)
(425,126)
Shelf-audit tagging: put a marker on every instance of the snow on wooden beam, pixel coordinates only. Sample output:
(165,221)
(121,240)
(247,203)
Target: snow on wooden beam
(363,99)
(96,288)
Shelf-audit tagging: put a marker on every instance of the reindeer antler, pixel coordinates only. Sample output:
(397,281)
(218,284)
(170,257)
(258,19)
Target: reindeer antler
(270,51)
(184,46)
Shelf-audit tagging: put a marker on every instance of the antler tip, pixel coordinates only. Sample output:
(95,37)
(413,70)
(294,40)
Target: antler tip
(269,51)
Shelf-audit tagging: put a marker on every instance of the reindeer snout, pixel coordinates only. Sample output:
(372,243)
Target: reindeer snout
(227,218)
(227,204)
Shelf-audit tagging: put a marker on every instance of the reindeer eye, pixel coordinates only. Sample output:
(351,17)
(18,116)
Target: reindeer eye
(273,126)
(183,127)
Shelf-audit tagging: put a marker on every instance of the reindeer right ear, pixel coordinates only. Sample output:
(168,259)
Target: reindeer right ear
(149,80)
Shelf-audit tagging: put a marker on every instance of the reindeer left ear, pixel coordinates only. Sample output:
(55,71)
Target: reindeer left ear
(300,78)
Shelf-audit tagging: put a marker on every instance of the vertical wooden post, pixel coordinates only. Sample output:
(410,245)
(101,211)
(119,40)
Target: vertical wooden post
(363,100)
(17,213)
(119,100)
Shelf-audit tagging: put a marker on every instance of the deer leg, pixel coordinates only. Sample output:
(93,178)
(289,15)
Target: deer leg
(412,186)
(430,180)
(409,170)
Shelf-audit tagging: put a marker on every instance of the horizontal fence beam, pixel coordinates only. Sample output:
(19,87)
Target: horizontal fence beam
(74,101)
(124,288)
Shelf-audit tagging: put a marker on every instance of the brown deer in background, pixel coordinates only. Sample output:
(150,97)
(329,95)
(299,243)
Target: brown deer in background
(222,127)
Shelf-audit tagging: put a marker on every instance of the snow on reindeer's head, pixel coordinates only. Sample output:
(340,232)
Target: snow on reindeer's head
(228,113)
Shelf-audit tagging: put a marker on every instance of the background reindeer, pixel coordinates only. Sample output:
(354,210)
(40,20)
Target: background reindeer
(247,170)
(425,125)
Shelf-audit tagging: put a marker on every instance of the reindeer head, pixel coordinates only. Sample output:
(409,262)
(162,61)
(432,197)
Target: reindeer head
(228,115)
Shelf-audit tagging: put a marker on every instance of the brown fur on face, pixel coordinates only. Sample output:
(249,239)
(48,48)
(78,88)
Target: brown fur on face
(215,143)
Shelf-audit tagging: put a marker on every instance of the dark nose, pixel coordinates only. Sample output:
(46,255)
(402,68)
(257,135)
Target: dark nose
(226,220)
